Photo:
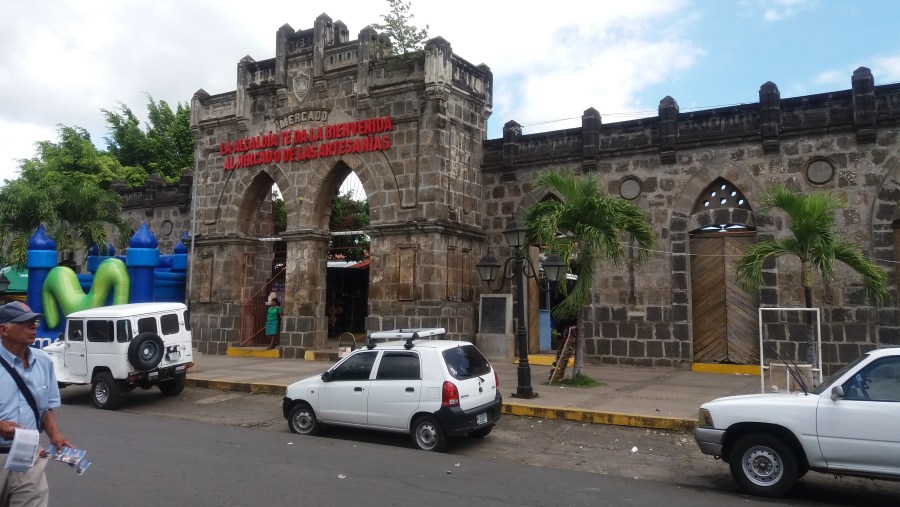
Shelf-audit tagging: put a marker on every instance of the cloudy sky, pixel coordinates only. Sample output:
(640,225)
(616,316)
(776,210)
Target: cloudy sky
(65,60)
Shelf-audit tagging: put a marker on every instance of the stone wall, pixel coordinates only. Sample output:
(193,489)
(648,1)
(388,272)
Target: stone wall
(166,209)
(847,141)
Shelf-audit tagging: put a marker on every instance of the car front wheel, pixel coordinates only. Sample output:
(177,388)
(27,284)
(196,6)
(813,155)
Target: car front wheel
(763,465)
(105,392)
(303,420)
(428,435)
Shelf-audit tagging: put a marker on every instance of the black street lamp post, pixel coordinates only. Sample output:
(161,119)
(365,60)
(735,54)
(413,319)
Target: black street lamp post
(488,269)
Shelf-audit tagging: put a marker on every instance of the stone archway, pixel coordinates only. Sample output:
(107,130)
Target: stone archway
(723,315)
(685,219)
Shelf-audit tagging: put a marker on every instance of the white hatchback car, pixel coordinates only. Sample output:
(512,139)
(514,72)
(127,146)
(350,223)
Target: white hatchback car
(431,389)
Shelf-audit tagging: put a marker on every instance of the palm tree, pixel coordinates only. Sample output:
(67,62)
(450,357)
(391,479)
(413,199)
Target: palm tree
(588,226)
(814,242)
(77,212)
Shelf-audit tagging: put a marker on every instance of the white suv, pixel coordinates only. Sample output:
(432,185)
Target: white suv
(117,348)
(431,389)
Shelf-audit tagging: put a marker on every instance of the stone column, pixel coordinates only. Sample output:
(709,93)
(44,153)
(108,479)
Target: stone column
(511,133)
(305,326)
(668,130)
(864,105)
(770,117)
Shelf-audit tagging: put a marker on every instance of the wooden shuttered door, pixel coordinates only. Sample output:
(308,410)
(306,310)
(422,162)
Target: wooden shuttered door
(724,316)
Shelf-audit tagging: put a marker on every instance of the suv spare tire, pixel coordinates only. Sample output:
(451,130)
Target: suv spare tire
(145,351)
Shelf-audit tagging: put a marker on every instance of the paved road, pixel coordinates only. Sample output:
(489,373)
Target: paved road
(139,460)
(658,456)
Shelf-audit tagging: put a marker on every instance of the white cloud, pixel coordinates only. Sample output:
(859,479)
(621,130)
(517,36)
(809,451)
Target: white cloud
(66,60)
(886,69)
(779,10)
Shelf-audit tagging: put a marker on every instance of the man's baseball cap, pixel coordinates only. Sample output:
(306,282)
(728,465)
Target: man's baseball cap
(17,311)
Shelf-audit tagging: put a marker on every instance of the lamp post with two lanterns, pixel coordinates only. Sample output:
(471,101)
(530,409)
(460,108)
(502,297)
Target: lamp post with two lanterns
(522,268)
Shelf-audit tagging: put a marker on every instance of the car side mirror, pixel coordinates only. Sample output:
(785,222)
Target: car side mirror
(837,392)
(326,377)
(60,336)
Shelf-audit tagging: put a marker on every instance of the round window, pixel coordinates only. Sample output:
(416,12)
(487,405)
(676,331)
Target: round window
(630,188)
(819,171)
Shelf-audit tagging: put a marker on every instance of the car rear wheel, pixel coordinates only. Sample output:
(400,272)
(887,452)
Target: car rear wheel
(303,420)
(173,386)
(481,432)
(763,465)
(105,392)
(428,435)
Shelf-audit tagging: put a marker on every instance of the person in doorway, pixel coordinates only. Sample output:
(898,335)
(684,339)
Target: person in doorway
(273,321)
(18,325)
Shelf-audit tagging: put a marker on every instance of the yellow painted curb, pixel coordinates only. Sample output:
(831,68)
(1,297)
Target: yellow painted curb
(252,352)
(739,369)
(320,355)
(595,417)
(543,360)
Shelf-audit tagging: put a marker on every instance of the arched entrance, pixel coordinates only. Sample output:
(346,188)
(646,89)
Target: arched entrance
(725,317)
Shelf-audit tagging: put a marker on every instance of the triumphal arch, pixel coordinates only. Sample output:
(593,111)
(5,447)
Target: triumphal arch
(409,126)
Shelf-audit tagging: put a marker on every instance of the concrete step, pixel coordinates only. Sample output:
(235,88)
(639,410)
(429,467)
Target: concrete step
(253,352)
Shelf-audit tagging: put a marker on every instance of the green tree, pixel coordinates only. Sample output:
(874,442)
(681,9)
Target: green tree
(348,214)
(813,240)
(397,25)
(66,187)
(587,226)
(23,207)
(165,147)
(280,212)
(77,213)
(72,153)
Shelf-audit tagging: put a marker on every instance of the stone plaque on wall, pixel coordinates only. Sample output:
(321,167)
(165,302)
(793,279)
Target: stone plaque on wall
(496,314)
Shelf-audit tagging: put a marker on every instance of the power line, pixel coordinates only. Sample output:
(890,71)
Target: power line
(644,113)
(668,252)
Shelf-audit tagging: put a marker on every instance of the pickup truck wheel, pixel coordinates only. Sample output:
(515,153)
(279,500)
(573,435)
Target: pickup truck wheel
(174,386)
(303,420)
(145,351)
(428,435)
(763,465)
(105,392)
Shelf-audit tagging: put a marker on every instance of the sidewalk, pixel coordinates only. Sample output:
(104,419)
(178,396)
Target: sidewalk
(658,398)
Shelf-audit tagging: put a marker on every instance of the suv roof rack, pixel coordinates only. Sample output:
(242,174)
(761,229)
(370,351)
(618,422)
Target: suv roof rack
(409,335)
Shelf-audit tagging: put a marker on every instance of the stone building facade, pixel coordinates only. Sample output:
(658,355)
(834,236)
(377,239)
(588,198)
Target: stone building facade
(846,141)
(409,127)
(413,129)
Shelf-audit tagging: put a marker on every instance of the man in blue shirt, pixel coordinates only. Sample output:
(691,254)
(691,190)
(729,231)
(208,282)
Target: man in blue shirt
(18,325)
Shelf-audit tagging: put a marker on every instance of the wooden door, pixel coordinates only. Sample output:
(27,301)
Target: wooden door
(724,316)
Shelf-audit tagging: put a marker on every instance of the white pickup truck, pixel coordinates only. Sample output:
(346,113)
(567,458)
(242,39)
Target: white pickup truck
(845,426)
(117,348)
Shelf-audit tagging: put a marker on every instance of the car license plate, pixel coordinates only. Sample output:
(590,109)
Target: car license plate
(174,356)
(481,419)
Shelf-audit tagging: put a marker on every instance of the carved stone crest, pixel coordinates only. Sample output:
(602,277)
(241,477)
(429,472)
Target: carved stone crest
(301,85)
